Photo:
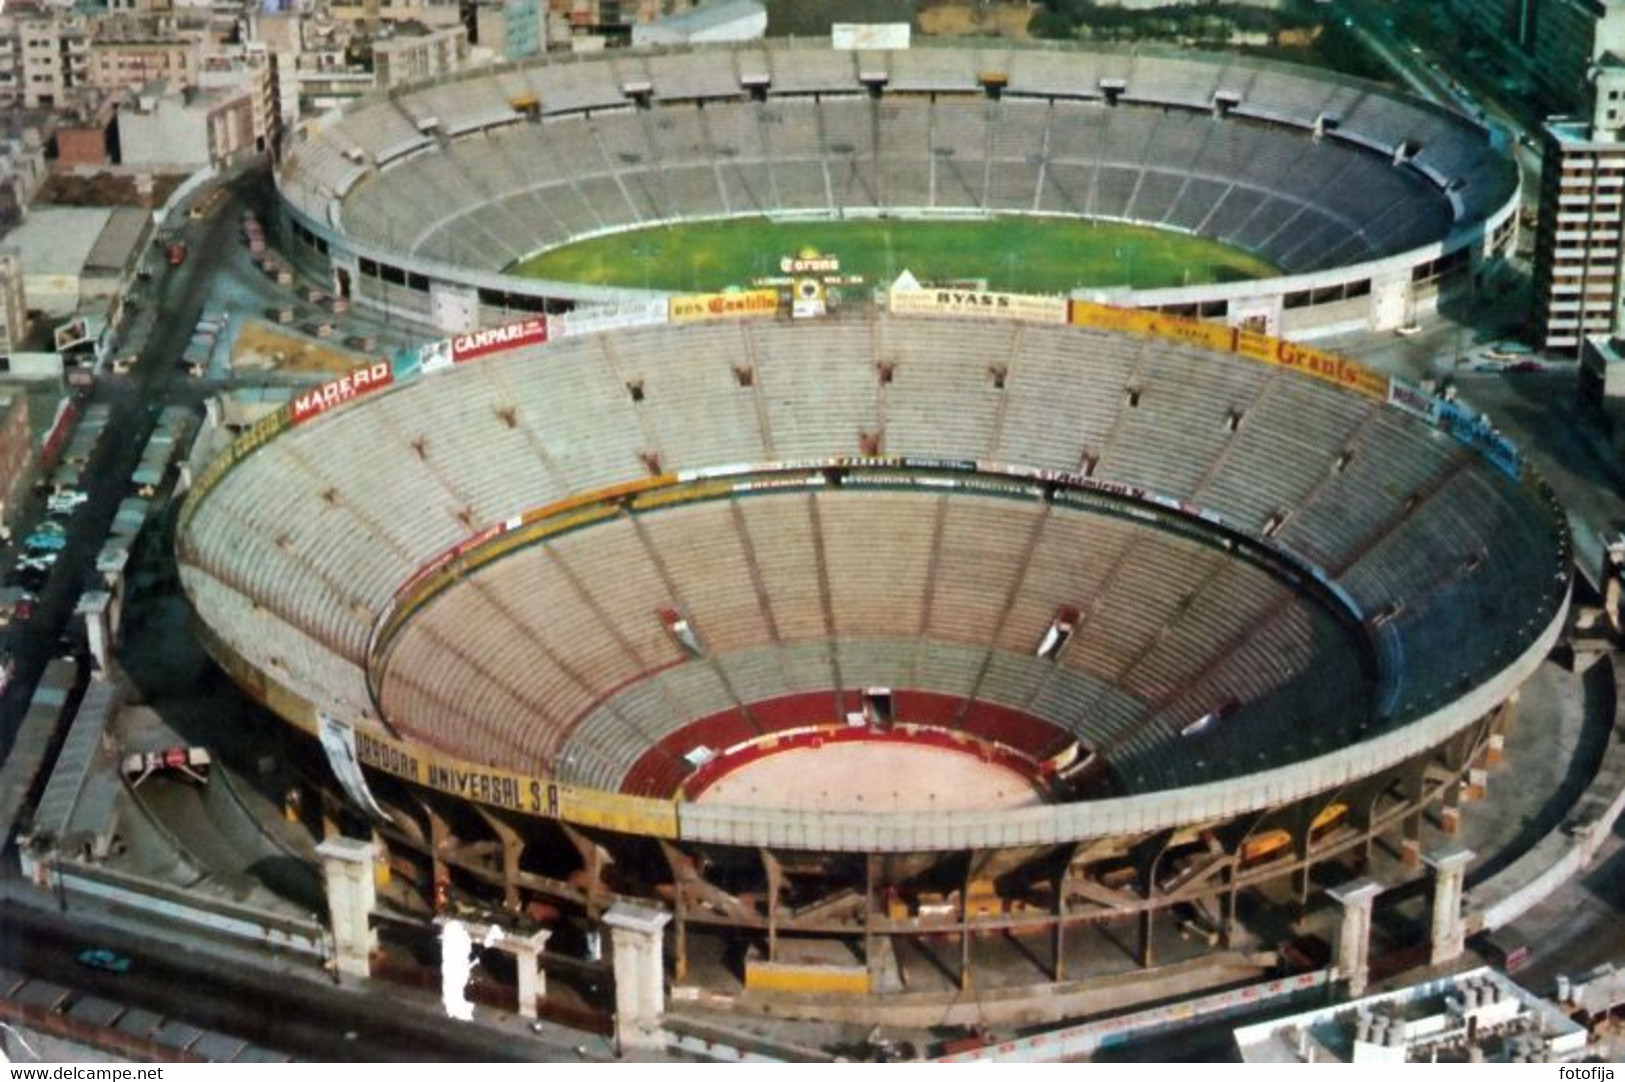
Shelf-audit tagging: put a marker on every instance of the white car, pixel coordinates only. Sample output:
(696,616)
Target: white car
(1508,351)
(38,562)
(65,503)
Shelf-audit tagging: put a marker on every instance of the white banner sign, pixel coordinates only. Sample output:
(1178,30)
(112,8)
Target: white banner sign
(972,302)
(338,740)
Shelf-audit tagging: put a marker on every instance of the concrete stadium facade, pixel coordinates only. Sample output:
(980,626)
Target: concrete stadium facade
(475,571)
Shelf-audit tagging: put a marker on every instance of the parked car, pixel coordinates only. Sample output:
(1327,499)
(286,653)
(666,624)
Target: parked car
(16,605)
(67,501)
(103,959)
(29,578)
(1508,351)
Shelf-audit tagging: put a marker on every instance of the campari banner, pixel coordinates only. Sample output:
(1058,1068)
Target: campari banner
(472,345)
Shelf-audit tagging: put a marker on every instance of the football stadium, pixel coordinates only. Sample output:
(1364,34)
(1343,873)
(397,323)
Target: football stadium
(854,623)
(1342,205)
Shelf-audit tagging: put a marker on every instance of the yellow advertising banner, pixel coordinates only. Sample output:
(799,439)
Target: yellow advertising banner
(1100,316)
(1331,368)
(1258,346)
(1143,321)
(1215,336)
(260,433)
(517,792)
(752,303)
(1327,367)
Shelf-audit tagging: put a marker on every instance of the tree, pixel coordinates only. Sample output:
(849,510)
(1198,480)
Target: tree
(1049,24)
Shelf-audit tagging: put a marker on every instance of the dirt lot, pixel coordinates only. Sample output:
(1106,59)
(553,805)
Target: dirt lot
(106,190)
(262,345)
(958,19)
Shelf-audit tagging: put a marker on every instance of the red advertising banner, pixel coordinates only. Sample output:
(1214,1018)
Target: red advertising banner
(477,344)
(318,400)
(67,413)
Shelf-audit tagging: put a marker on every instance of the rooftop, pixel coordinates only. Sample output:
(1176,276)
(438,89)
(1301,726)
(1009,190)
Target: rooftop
(58,240)
(709,16)
(1477,1016)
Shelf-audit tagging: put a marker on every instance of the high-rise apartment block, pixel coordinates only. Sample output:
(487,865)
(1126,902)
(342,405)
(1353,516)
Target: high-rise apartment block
(1577,250)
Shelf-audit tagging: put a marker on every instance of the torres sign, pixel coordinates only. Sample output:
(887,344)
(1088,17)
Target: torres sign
(318,400)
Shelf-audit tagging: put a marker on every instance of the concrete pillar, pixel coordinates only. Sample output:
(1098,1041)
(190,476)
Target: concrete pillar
(1478,782)
(456,966)
(352,893)
(1449,932)
(636,934)
(1495,749)
(1354,939)
(1450,809)
(1410,849)
(527,954)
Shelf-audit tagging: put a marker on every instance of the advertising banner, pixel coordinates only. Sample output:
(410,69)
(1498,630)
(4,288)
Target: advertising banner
(971,302)
(848,36)
(317,401)
(1214,336)
(261,433)
(1412,399)
(476,344)
(338,741)
(752,303)
(1473,431)
(70,334)
(516,792)
(606,318)
(434,356)
(1090,314)
(1331,369)
(807,299)
(1260,347)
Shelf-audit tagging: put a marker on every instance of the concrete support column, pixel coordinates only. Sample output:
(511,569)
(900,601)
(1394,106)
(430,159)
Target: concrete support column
(1449,932)
(636,933)
(1495,749)
(352,895)
(1450,810)
(527,954)
(1354,938)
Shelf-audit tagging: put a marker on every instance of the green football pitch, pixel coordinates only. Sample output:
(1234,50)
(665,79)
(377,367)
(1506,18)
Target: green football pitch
(1016,254)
